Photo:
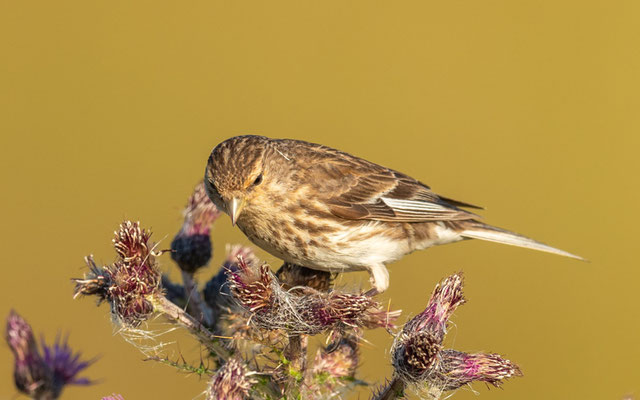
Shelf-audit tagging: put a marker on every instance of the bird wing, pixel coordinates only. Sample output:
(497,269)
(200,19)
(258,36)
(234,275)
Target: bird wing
(357,189)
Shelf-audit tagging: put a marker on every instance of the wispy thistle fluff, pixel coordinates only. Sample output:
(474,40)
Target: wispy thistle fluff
(302,312)
(130,283)
(418,356)
(230,382)
(42,377)
(191,248)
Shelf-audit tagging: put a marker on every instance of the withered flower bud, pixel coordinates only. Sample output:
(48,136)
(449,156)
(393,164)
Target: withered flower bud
(230,382)
(456,369)
(31,375)
(191,248)
(446,297)
(130,283)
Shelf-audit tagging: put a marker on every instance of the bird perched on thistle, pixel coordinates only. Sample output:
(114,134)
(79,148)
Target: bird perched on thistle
(324,209)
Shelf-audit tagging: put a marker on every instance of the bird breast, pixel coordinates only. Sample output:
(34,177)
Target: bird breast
(328,243)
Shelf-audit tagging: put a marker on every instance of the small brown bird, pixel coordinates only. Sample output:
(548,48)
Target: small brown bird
(321,208)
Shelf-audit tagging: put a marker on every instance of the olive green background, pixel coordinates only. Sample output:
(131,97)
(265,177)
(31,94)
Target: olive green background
(109,109)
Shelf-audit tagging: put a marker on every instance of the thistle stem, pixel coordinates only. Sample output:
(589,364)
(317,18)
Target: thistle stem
(176,314)
(296,352)
(195,304)
(393,390)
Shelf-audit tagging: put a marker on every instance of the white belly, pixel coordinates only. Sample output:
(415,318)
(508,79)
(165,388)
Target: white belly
(358,249)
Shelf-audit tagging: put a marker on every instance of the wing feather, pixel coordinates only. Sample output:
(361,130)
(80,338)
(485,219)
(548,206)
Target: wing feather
(356,189)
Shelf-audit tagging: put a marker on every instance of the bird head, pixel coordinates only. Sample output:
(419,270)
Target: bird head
(236,173)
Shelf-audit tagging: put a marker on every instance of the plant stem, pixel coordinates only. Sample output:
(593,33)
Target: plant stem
(393,390)
(195,304)
(296,352)
(176,314)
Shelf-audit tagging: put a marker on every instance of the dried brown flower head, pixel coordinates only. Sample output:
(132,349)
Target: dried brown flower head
(418,356)
(305,311)
(456,369)
(129,283)
(230,382)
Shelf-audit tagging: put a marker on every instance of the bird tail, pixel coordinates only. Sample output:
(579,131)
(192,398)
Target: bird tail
(493,234)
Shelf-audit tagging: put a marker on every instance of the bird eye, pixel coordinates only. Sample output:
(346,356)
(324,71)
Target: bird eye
(258,180)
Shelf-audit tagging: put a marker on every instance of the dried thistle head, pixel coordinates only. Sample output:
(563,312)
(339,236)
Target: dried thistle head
(131,282)
(230,382)
(456,369)
(445,299)
(132,242)
(216,291)
(418,356)
(305,311)
(252,287)
(346,310)
(415,357)
(416,348)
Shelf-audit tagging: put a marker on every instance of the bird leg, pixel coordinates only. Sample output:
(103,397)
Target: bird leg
(379,279)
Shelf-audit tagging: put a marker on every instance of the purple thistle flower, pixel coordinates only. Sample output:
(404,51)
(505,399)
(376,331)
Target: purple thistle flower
(42,377)
(65,364)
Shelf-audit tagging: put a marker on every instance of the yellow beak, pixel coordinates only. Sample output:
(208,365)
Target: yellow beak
(235,207)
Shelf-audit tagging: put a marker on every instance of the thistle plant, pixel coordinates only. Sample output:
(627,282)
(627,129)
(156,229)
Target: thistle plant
(264,334)
(42,373)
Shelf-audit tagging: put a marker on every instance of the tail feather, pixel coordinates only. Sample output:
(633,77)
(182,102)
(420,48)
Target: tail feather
(493,234)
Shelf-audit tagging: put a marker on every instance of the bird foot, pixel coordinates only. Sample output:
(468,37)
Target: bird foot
(379,279)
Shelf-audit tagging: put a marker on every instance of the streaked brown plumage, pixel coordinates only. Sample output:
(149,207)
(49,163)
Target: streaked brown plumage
(324,209)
